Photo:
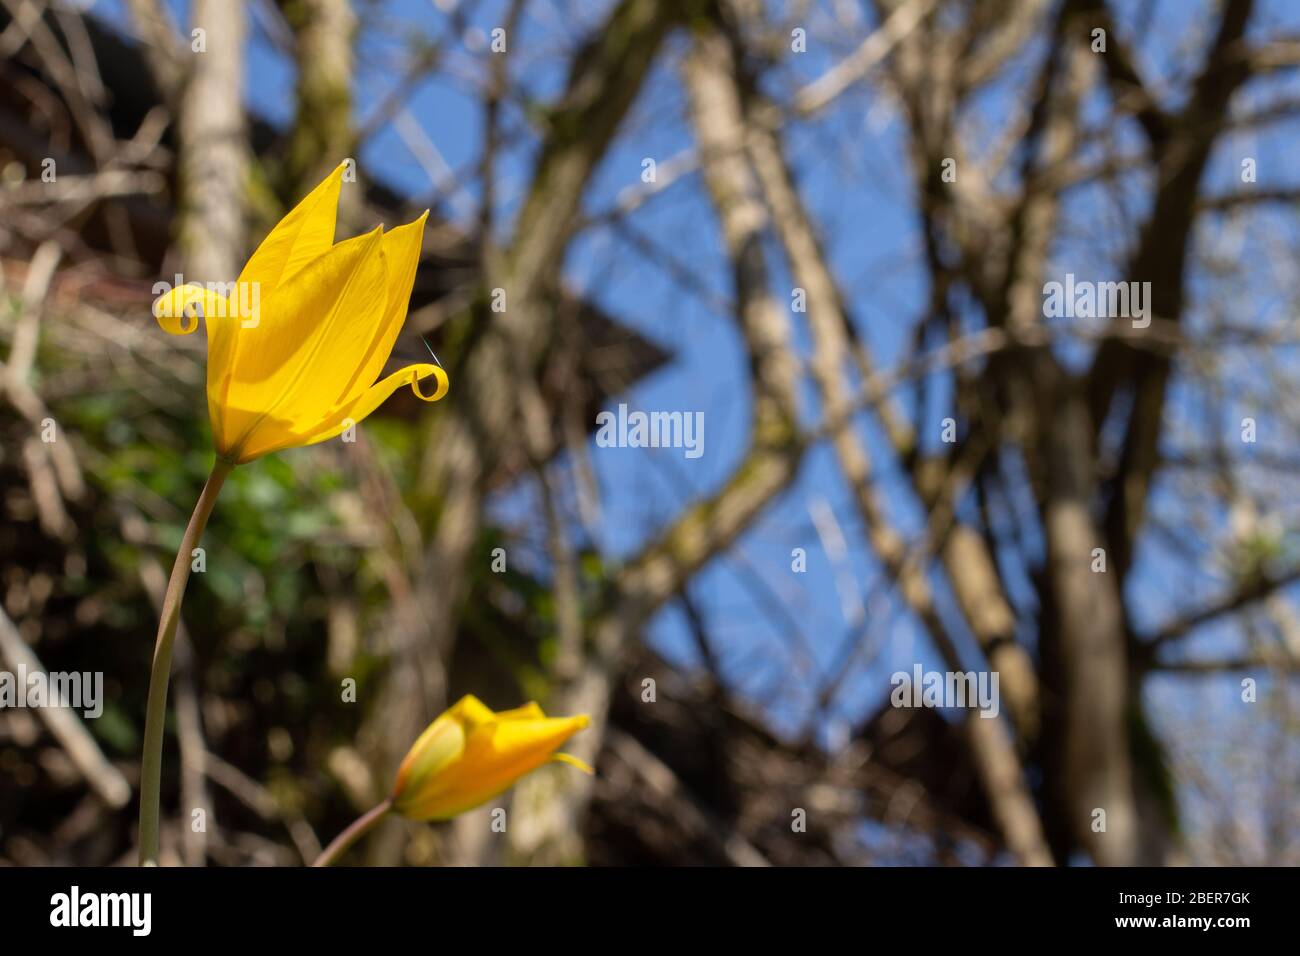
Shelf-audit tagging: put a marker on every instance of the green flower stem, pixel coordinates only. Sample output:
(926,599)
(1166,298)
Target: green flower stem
(355,831)
(156,713)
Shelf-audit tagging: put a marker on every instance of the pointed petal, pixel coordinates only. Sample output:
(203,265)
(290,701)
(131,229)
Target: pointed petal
(285,381)
(470,712)
(573,761)
(375,396)
(525,739)
(306,233)
(529,711)
(401,250)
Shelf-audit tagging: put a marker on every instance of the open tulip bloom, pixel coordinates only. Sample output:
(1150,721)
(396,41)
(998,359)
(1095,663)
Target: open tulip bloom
(297,368)
(465,758)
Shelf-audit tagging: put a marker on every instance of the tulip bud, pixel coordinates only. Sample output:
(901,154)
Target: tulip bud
(471,754)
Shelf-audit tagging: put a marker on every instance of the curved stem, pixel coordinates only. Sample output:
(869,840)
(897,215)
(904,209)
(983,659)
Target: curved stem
(355,831)
(156,712)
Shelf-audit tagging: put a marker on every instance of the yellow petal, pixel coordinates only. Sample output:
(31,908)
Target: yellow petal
(302,365)
(287,374)
(573,761)
(375,396)
(171,309)
(401,252)
(530,711)
(442,742)
(470,713)
(303,235)
(222,318)
(495,756)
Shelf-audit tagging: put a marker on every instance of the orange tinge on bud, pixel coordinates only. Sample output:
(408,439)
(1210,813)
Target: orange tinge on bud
(470,754)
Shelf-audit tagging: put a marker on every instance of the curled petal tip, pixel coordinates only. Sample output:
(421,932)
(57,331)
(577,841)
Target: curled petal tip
(443,383)
(336,307)
(573,761)
(171,309)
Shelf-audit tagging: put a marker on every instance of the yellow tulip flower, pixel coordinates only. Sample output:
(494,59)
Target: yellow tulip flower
(304,375)
(470,754)
(295,345)
(463,759)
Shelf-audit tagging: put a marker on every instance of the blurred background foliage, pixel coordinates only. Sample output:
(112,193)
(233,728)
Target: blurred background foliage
(352,590)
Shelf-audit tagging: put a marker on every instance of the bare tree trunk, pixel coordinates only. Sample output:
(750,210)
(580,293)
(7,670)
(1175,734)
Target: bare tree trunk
(213,144)
(1088,628)
(322,134)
